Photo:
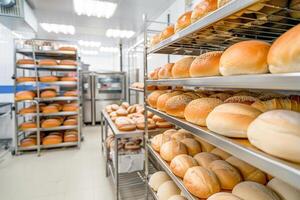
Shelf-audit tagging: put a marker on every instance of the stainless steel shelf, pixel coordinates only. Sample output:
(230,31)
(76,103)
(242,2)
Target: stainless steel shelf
(167,169)
(48,68)
(59,99)
(152,192)
(286,171)
(64,144)
(59,128)
(56,83)
(264,81)
(55,54)
(136,89)
(49,114)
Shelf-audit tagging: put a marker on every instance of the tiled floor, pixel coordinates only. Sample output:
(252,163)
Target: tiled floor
(65,174)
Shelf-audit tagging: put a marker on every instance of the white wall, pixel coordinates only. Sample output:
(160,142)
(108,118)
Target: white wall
(103,62)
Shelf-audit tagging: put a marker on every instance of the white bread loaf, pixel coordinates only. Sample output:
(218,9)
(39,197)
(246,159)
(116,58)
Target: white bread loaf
(222,154)
(181,163)
(254,191)
(158,140)
(277,132)
(192,146)
(204,159)
(157,179)
(231,119)
(180,135)
(223,196)
(170,149)
(284,190)
(167,190)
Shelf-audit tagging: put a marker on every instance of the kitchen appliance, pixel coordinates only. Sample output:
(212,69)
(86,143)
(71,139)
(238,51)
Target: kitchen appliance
(99,90)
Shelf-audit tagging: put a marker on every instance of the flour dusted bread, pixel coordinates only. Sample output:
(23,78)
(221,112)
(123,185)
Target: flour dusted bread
(181,163)
(282,128)
(157,179)
(284,54)
(167,190)
(235,60)
(181,68)
(232,119)
(172,148)
(125,124)
(251,190)
(223,196)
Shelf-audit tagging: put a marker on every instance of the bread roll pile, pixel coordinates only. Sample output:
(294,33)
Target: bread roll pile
(47,62)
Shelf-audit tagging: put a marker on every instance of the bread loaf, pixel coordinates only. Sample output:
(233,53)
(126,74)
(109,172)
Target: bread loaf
(284,190)
(51,123)
(28,125)
(181,68)
(68,78)
(228,176)
(248,172)
(70,122)
(251,190)
(71,132)
(154,74)
(157,179)
(280,127)
(223,196)
(125,124)
(168,32)
(50,109)
(176,105)
(180,135)
(24,95)
(66,48)
(25,62)
(153,98)
(52,139)
(47,62)
(25,79)
(201,182)
(234,61)
(222,154)
(203,8)
(197,110)
(248,100)
(204,159)
(193,147)
(71,138)
(181,163)
(28,142)
(162,100)
(140,123)
(232,119)
(121,112)
(48,78)
(167,190)
(72,93)
(166,71)
(170,149)
(183,21)
(206,64)
(68,62)
(30,109)
(155,40)
(158,140)
(48,94)
(205,147)
(71,107)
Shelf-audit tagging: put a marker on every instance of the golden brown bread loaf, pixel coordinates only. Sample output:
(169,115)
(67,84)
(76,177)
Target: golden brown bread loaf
(222,154)
(66,48)
(121,112)
(197,110)
(162,100)
(158,140)
(180,135)
(72,93)
(205,158)
(183,21)
(203,8)
(155,40)
(201,182)
(125,124)
(68,78)
(48,94)
(28,142)
(154,74)
(181,163)
(68,62)
(25,62)
(52,139)
(248,100)
(168,32)
(153,97)
(70,122)
(48,78)
(231,119)
(277,104)
(281,127)
(284,53)
(166,71)
(140,123)
(222,96)
(71,107)
(205,147)
(193,147)
(50,109)
(28,125)
(30,109)
(51,123)
(25,79)
(48,62)
(206,64)
(172,148)
(176,105)
(25,95)
(164,124)
(234,61)
(181,68)
(71,138)
(227,175)
(248,172)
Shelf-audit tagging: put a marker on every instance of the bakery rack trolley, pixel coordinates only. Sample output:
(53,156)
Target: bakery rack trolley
(36,49)
(197,39)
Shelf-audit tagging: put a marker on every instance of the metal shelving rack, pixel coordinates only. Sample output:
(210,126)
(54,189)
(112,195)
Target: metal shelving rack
(36,52)
(209,34)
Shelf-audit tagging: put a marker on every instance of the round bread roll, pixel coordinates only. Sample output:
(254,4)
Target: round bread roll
(197,110)
(228,176)
(201,182)
(25,95)
(205,147)
(125,124)
(168,32)
(171,149)
(181,163)
(51,123)
(50,109)
(251,190)
(158,140)
(223,196)
(162,100)
(122,112)
(203,8)
(248,172)
(180,135)
(28,125)
(183,21)
(125,105)
(284,190)
(205,158)
(68,78)
(278,126)
(153,97)
(48,94)
(115,107)
(52,139)
(206,64)
(192,146)
(181,68)
(166,71)
(140,123)
(167,190)
(72,93)
(28,142)
(48,62)
(25,79)
(48,78)
(176,105)
(164,125)
(157,179)
(232,119)
(169,133)
(235,60)
(177,197)
(222,154)
(68,62)
(284,53)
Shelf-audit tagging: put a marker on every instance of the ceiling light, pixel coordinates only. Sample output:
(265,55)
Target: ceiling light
(109,49)
(116,33)
(89,52)
(89,43)
(58,28)
(94,8)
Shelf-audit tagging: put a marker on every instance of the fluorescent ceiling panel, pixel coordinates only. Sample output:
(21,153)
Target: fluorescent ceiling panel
(58,28)
(94,8)
(116,33)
